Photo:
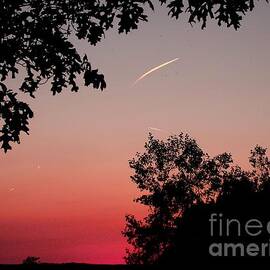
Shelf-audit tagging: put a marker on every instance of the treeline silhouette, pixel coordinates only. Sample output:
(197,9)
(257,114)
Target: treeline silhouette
(202,210)
(73,266)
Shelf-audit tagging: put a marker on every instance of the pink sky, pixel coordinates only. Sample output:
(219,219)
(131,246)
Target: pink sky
(65,189)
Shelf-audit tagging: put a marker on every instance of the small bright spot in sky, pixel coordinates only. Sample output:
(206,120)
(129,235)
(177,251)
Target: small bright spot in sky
(11,189)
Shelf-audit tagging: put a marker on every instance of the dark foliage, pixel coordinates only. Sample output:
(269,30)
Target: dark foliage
(182,186)
(239,200)
(36,40)
(31,260)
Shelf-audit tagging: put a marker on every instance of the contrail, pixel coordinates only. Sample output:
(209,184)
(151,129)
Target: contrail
(158,129)
(154,129)
(154,69)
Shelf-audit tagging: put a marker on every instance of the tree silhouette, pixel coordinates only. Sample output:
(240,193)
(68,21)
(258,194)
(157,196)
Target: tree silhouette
(31,260)
(182,186)
(35,40)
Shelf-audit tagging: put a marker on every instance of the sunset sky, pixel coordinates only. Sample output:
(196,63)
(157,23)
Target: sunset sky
(66,188)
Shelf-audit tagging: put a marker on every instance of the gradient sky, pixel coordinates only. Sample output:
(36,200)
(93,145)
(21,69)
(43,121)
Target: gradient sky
(66,189)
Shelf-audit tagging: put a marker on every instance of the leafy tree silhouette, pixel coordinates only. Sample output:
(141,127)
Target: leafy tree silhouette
(182,187)
(31,260)
(35,40)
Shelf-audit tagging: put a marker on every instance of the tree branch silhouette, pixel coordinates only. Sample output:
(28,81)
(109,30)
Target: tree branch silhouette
(35,40)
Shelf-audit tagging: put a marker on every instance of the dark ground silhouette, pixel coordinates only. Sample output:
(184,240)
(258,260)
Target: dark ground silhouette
(77,266)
